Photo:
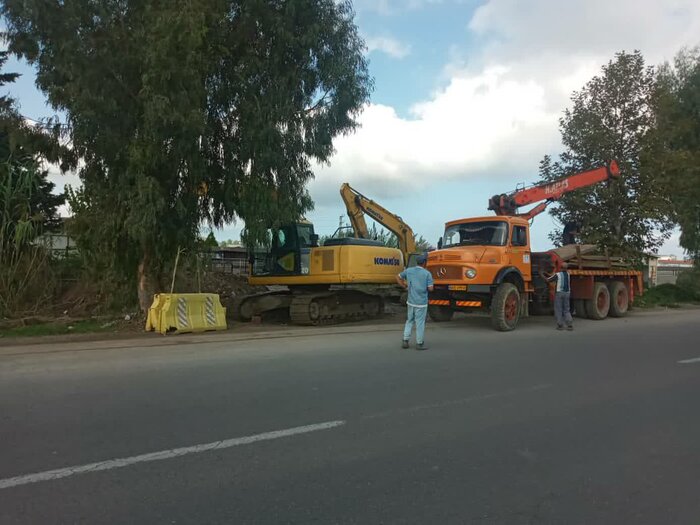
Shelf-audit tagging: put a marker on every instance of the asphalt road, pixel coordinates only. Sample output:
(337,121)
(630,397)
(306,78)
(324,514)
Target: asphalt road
(535,426)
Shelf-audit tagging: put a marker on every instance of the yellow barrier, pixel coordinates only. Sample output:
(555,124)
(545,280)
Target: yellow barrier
(186,312)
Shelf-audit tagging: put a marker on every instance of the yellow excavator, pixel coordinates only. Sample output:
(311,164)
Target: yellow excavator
(344,279)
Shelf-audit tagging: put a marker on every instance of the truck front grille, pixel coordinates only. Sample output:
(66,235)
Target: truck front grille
(447,272)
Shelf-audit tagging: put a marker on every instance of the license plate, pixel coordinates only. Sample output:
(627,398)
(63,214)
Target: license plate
(458,287)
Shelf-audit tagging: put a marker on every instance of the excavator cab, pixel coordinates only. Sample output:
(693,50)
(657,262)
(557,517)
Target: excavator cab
(287,251)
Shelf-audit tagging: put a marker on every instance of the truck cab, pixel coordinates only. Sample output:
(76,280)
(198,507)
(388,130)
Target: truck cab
(476,256)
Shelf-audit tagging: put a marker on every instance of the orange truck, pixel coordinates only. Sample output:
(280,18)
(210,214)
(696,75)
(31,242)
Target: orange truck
(486,263)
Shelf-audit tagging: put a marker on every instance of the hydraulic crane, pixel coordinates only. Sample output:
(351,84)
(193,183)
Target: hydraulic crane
(487,263)
(508,203)
(358,205)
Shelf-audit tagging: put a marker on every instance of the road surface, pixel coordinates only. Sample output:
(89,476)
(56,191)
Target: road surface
(535,426)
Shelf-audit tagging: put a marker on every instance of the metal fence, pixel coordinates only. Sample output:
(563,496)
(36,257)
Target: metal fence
(230,266)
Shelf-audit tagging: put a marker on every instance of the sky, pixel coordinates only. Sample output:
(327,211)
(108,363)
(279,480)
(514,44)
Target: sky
(467,99)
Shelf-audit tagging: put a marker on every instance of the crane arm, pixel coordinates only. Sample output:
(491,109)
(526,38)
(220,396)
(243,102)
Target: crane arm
(508,203)
(358,205)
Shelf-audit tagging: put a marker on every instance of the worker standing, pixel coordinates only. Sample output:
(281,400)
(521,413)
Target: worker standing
(562,297)
(419,282)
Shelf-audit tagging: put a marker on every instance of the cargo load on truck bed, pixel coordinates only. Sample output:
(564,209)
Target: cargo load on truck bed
(601,285)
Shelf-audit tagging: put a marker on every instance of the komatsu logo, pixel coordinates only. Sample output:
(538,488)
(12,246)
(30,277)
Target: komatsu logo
(374,213)
(387,261)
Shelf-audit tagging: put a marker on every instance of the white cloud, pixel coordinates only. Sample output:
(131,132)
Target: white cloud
(389,45)
(498,112)
(476,124)
(585,28)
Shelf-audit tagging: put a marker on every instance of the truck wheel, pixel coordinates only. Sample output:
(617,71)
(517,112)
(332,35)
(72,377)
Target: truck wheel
(619,299)
(440,314)
(580,308)
(505,307)
(598,307)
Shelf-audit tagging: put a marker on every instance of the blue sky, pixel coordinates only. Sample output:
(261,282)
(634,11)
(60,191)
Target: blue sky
(467,98)
(426,37)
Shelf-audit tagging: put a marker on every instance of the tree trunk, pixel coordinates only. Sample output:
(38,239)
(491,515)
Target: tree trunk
(146,283)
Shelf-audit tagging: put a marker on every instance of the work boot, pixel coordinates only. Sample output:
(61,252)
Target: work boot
(560,327)
(421,346)
(570,328)
(404,344)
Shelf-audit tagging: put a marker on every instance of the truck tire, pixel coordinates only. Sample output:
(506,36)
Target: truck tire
(598,307)
(619,299)
(505,307)
(580,308)
(440,314)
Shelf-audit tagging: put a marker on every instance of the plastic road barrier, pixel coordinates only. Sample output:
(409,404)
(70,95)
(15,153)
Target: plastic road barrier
(186,313)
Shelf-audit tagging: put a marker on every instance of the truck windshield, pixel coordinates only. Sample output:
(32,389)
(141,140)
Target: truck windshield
(487,233)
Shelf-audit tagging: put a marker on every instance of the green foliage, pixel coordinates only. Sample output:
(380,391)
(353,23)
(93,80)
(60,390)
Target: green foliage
(385,237)
(690,280)
(389,239)
(27,207)
(191,111)
(22,141)
(22,148)
(676,152)
(612,118)
(210,242)
(668,295)
(22,263)
(422,245)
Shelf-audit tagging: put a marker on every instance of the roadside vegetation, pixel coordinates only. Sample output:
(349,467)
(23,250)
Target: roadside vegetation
(668,295)
(86,326)
(216,112)
(685,291)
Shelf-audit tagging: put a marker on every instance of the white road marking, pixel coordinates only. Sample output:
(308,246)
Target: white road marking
(50,475)
(687,361)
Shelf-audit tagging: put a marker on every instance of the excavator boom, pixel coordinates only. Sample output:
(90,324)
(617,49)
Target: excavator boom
(358,205)
(508,203)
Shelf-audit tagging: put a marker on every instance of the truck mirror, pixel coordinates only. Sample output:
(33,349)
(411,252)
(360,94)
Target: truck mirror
(314,240)
(440,243)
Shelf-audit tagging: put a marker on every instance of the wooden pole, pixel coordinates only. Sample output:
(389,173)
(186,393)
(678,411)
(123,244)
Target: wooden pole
(177,260)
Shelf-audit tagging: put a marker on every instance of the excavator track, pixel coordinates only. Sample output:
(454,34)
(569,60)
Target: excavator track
(333,307)
(245,307)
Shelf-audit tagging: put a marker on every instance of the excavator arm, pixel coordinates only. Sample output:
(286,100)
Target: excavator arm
(358,205)
(508,203)
(355,211)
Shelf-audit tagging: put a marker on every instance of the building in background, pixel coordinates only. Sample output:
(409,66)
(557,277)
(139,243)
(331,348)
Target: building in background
(669,267)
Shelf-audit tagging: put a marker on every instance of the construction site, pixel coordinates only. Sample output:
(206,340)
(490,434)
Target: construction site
(349,262)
